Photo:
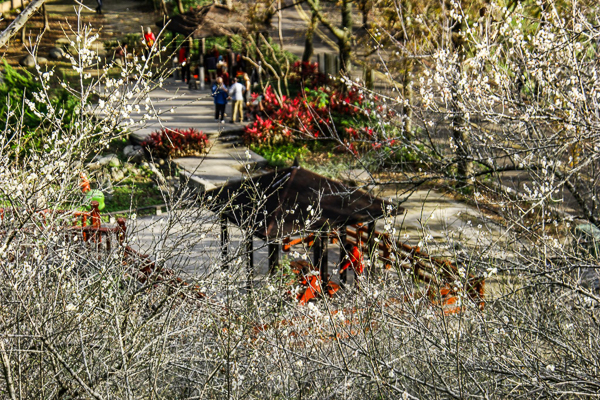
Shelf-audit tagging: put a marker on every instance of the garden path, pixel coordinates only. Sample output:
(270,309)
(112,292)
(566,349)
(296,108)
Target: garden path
(227,158)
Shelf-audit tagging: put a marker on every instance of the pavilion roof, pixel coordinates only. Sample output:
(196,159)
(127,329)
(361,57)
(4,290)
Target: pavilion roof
(208,21)
(278,204)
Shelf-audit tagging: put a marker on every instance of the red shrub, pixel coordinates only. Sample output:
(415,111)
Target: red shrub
(305,115)
(308,73)
(170,143)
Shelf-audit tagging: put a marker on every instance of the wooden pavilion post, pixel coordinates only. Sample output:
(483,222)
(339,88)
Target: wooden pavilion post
(274,249)
(320,255)
(201,62)
(250,265)
(343,236)
(224,240)
(372,247)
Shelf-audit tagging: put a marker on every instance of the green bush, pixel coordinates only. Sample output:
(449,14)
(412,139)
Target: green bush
(281,155)
(20,94)
(133,40)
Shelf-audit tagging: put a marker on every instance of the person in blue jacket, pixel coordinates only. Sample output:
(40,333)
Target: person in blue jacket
(220,94)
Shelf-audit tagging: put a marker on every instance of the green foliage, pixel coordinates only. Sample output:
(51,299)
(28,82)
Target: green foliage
(284,275)
(110,46)
(134,195)
(319,97)
(189,4)
(401,154)
(133,40)
(282,155)
(15,88)
(18,91)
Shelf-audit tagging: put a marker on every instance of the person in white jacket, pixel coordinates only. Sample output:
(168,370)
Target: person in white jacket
(236,92)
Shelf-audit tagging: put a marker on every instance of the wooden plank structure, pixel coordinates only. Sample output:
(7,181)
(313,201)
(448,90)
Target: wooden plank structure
(438,273)
(86,227)
(277,205)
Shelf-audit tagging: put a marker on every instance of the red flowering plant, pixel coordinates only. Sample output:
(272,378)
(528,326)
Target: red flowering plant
(170,143)
(313,112)
(308,74)
(279,121)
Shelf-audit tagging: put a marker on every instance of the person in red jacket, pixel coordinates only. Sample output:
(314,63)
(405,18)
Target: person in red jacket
(355,260)
(149,38)
(184,63)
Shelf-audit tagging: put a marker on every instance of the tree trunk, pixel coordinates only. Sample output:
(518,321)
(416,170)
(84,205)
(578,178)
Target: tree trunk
(19,22)
(345,41)
(279,27)
(343,34)
(364,6)
(163,8)
(45,14)
(460,133)
(345,46)
(308,42)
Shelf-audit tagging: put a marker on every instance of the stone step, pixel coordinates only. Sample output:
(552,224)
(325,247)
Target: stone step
(221,165)
(229,145)
(229,138)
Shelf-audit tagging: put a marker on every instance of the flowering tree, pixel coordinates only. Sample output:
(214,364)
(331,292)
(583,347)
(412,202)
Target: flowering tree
(82,320)
(511,94)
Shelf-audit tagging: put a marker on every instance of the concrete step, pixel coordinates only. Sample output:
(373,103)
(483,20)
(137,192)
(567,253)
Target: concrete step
(221,165)
(229,138)
(229,145)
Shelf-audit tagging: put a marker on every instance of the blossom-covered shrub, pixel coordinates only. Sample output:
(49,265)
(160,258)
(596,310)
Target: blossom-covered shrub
(169,143)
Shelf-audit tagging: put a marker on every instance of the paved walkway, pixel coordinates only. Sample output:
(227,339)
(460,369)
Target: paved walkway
(191,109)
(225,161)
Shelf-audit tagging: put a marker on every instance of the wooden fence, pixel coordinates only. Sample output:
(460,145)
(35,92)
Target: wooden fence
(87,226)
(438,273)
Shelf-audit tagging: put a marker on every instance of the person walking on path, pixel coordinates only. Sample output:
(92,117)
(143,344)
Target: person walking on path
(149,38)
(211,67)
(237,95)
(225,76)
(220,94)
(99,8)
(247,96)
(183,62)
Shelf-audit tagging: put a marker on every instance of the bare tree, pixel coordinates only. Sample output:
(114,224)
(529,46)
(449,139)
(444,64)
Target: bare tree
(343,33)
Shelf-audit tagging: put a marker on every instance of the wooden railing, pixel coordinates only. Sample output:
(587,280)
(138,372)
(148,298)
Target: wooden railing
(438,273)
(87,226)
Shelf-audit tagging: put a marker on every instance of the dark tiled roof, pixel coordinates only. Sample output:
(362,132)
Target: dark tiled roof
(277,204)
